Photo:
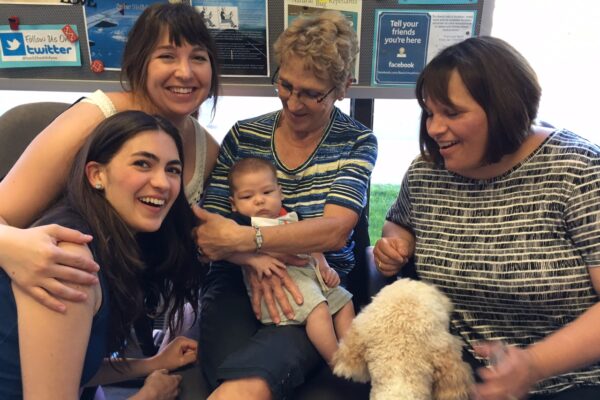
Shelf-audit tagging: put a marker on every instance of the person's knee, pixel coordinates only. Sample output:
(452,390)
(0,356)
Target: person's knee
(246,389)
(347,310)
(320,311)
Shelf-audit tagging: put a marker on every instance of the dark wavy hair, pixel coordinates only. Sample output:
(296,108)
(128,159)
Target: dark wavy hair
(144,269)
(500,80)
(183,23)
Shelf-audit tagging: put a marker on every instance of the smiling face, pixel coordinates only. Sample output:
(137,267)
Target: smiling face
(304,115)
(460,130)
(179,78)
(142,180)
(256,194)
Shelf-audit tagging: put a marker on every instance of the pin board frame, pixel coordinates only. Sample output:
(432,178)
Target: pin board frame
(82,79)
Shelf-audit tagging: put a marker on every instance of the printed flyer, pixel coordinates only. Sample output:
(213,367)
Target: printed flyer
(240,31)
(405,41)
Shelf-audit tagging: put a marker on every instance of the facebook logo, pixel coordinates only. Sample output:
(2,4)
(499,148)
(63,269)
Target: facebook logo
(13,44)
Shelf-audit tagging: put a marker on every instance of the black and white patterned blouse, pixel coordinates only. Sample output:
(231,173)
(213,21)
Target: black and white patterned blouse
(511,252)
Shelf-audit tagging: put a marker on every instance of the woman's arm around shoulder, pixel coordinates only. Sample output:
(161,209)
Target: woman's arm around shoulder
(53,345)
(33,260)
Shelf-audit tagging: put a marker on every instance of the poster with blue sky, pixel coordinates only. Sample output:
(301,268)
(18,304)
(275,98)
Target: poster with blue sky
(108,23)
(240,31)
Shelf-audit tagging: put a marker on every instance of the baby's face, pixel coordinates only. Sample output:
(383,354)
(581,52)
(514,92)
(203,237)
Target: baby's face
(256,194)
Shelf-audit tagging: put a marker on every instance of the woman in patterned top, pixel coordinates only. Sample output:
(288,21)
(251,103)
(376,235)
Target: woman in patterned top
(323,159)
(504,217)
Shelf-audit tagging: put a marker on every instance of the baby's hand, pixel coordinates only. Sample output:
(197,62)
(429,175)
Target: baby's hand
(330,277)
(265,265)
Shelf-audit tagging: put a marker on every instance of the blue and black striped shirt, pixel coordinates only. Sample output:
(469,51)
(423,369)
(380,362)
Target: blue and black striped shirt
(337,172)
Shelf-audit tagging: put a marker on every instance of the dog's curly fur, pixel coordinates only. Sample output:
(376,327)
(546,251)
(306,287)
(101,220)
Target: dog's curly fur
(400,342)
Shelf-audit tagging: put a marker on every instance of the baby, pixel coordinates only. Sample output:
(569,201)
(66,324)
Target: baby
(256,199)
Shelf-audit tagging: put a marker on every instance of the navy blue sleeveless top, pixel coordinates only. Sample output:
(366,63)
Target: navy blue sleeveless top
(10,365)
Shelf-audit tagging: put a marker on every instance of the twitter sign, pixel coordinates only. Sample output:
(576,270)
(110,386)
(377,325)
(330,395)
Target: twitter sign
(37,46)
(13,44)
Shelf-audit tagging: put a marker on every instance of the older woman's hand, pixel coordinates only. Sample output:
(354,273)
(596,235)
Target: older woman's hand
(391,253)
(511,373)
(219,237)
(33,261)
(271,289)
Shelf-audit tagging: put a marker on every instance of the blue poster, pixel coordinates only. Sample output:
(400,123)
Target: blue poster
(401,42)
(108,24)
(239,28)
(38,46)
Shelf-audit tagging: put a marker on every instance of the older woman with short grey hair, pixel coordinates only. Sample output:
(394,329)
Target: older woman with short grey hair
(324,160)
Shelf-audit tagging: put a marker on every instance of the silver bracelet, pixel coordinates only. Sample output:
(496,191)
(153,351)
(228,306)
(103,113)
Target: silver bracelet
(258,238)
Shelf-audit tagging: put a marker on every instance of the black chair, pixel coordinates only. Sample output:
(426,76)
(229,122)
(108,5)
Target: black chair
(18,127)
(364,281)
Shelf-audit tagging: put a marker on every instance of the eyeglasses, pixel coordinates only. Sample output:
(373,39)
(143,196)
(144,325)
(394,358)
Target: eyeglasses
(305,96)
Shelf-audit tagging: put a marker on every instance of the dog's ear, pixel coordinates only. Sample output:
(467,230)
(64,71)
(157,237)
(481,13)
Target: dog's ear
(349,361)
(452,377)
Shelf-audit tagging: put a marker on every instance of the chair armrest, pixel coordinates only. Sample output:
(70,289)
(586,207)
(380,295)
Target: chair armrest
(375,280)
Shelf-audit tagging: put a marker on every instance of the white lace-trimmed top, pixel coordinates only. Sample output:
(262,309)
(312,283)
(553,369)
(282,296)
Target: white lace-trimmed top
(194,188)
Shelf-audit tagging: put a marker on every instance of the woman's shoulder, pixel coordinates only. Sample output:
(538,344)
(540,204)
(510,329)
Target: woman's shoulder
(121,101)
(345,130)
(564,143)
(568,139)
(64,215)
(251,129)
(112,102)
(104,101)
(421,169)
(264,119)
(344,121)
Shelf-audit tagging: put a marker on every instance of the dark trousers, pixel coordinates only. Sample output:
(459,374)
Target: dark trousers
(234,344)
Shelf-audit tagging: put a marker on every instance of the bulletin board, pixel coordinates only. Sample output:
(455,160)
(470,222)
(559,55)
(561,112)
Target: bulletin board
(392,37)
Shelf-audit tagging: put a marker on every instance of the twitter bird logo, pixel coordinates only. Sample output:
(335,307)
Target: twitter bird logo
(13,45)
